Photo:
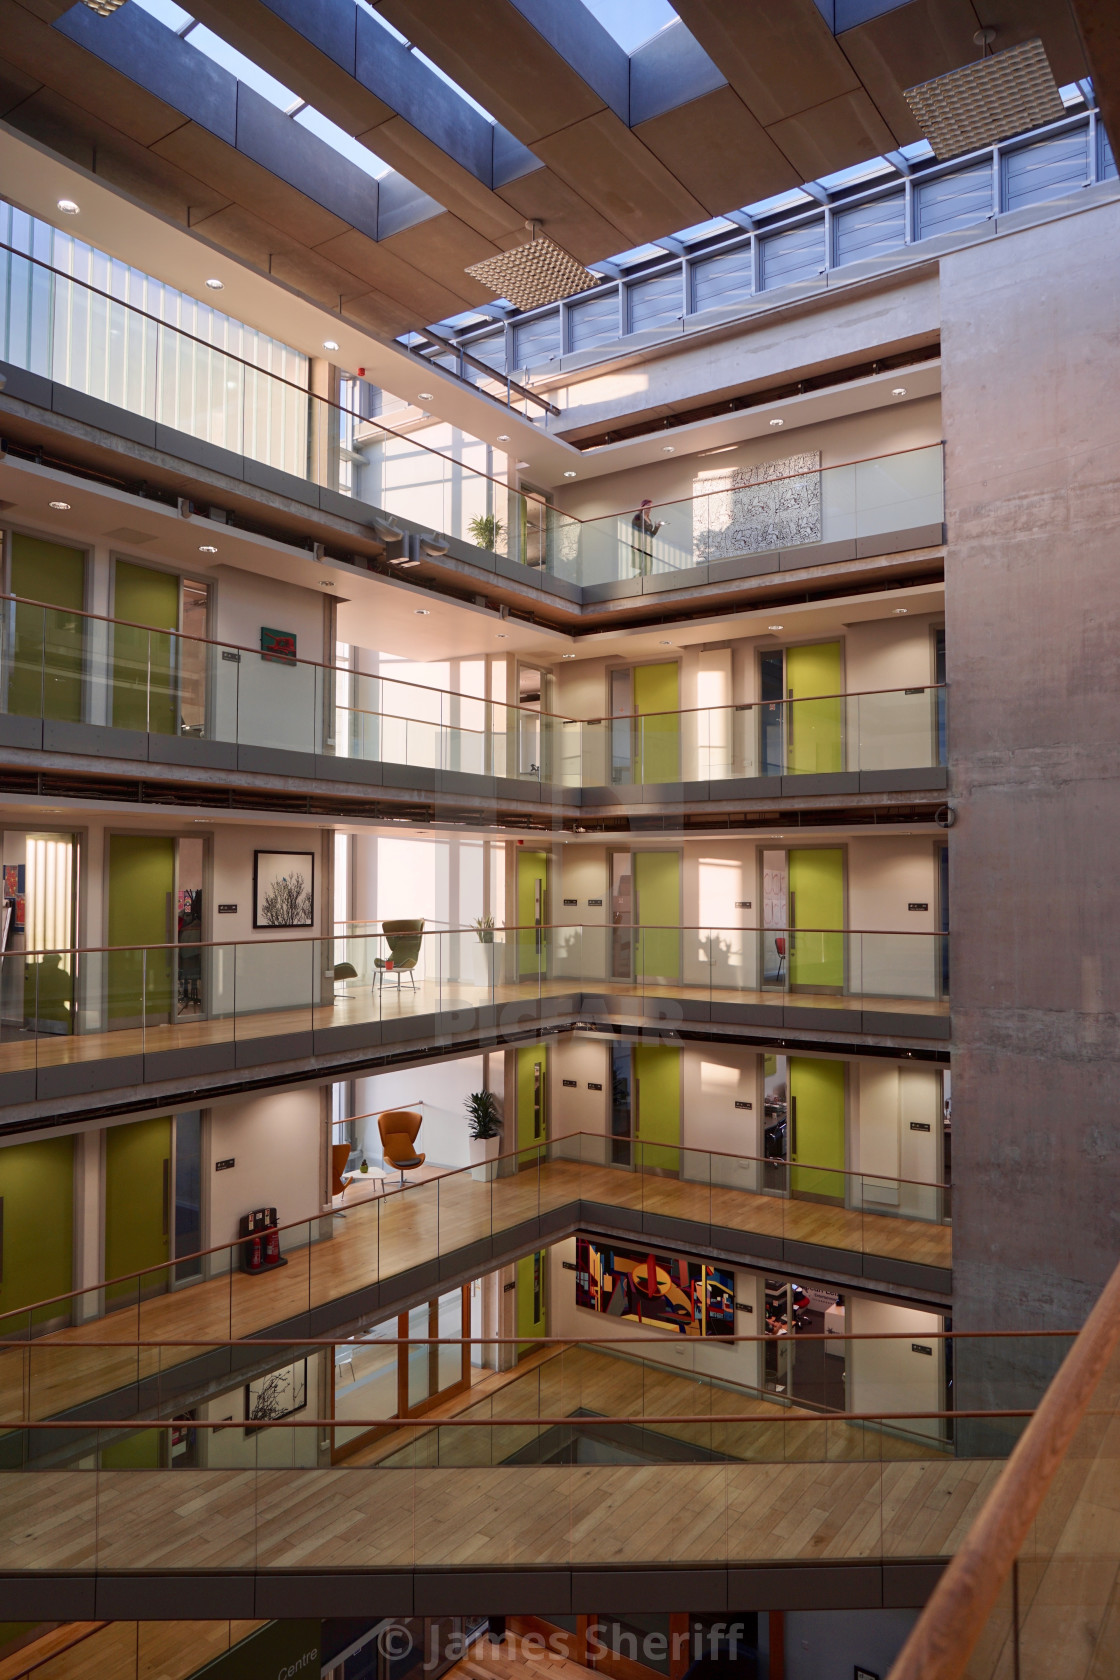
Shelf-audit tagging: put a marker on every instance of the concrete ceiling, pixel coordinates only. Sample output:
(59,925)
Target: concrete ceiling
(729,105)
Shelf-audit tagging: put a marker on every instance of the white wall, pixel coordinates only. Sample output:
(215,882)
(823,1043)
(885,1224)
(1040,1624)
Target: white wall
(718,876)
(233,1449)
(732,1362)
(260,702)
(889,1098)
(587,1060)
(277,1144)
(580,872)
(889,1376)
(885,876)
(714,1078)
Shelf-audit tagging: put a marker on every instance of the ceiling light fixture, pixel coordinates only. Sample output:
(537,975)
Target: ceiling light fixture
(533,274)
(216,285)
(775,627)
(899,611)
(996,96)
(207,548)
(422,612)
(503,437)
(330,344)
(60,507)
(567,656)
(104,8)
(502,636)
(520,464)
(570,474)
(326,583)
(68,207)
(664,644)
(668,449)
(424,396)
(777,422)
(899,391)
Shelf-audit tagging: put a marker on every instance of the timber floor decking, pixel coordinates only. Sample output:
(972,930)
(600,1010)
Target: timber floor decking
(125,1650)
(23,1051)
(393,1233)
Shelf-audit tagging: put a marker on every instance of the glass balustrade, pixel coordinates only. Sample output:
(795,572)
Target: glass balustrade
(69,667)
(874,1414)
(64,329)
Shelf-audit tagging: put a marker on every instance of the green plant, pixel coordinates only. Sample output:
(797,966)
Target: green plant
(484,927)
(487,530)
(485,1120)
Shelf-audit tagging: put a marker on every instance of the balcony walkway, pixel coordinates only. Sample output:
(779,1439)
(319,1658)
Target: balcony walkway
(393,1234)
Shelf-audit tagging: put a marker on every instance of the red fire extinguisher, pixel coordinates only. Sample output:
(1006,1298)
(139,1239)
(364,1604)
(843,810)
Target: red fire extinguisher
(253,1250)
(272,1246)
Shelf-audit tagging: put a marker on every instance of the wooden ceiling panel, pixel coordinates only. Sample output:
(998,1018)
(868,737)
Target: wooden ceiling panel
(375,312)
(499,58)
(563,214)
(428,167)
(718,150)
(386,270)
(844,132)
(780,58)
(621,178)
(226,170)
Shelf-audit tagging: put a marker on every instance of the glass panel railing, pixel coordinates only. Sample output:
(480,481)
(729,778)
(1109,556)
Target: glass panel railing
(1032,1592)
(79,668)
(746,514)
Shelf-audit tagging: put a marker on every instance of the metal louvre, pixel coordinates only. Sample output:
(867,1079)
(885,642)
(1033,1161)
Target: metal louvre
(1048,169)
(654,303)
(869,230)
(796,255)
(593,322)
(722,280)
(953,201)
(535,341)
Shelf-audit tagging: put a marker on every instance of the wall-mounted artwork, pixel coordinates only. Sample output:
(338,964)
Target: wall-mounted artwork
(278,647)
(276,1395)
(749,510)
(681,1295)
(283,889)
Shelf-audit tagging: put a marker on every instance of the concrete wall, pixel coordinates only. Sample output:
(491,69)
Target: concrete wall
(1031,366)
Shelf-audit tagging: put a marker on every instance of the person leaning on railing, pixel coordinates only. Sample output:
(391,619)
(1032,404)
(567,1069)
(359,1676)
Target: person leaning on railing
(645,529)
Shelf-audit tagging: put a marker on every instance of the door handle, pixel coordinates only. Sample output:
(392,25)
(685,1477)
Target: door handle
(166,1196)
(793,1128)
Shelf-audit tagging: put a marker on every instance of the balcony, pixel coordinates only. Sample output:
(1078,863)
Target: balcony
(76,682)
(88,356)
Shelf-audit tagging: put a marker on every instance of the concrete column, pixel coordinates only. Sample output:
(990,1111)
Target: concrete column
(324,427)
(89,1202)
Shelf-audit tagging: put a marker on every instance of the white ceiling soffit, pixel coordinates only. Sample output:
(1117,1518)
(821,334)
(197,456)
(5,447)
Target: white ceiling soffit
(36,178)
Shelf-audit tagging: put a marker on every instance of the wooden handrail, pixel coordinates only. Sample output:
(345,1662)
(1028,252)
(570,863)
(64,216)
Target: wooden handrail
(945,1634)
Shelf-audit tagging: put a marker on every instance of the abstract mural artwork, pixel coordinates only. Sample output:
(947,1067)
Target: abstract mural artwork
(751,510)
(681,1295)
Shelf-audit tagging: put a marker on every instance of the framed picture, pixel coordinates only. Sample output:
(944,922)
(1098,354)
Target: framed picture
(278,647)
(283,889)
(276,1395)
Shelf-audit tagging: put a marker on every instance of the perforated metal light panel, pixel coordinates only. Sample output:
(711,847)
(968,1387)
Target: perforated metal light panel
(104,8)
(987,101)
(532,274)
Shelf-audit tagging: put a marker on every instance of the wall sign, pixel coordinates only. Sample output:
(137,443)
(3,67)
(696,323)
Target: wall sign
(224,1166)
(233,658)
(278,647)
(917,907)
(568,902)
(591,1086)
(227,909)
(571,1084)
(918,1347)
(742,904)
(594,904)
(744,1105)
(919,1125)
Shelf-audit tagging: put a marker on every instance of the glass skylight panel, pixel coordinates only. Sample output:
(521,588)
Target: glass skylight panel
(780,201)
(168,13)
(858,172)
(424,59)
(704,230)
(632,22)
(243,68)
(341,142)
(639,254)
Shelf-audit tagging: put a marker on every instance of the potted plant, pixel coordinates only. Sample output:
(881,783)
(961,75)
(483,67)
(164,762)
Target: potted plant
(486,530)
(484,927)
(485,1120)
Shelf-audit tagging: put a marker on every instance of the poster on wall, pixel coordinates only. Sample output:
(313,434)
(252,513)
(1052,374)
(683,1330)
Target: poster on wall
(276,1395)
(682,1295)
(15,893)
(283,889)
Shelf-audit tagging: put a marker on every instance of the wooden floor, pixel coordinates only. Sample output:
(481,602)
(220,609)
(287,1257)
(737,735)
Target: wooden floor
(481,1518)
(125,1650)
(19,1051)
(393,1233)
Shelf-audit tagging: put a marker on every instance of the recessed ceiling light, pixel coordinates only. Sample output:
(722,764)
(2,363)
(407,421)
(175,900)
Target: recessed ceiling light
(775,627)
(502,636)
(664,644)
(503,437)
(326,583)
(668,449)
(216,285)
(898,611)
(68,207)
(777,422)
(520,464)
(569,474)
(422,612)
(425,396)
(60,507)
(567,656)
(207,548)
(899,391)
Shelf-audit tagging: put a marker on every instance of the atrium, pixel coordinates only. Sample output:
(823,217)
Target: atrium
(558,762)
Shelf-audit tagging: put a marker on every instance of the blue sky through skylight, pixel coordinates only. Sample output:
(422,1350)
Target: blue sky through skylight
(632,22)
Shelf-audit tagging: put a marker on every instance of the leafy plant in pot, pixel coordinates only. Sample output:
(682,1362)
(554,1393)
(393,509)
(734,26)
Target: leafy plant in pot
(486,531)
(485,1122)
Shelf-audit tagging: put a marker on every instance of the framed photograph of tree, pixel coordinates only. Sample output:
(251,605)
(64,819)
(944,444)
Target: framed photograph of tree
(283,889)
(276,1395)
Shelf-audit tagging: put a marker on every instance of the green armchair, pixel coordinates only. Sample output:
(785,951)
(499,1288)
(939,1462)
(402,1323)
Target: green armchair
(404,940)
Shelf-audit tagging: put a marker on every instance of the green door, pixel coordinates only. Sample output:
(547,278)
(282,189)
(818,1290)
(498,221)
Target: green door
(36,1227)
(657,703)
(657,915)
(816,1091)
(532,1308)
(48,644)
(532,1102)
(816,904)
(137,1207)
(532,913)
(141,894)
(814,727)
(145,689)
(655,1086)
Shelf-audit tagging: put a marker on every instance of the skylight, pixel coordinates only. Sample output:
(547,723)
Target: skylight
(284,98)
(424,59)
(632,22)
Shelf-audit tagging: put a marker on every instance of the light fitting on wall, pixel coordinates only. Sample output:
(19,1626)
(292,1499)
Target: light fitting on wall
(533,274)
(999,95)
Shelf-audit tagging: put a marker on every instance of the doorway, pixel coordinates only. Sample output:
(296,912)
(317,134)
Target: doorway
(656,1106)
(532,914)
(140,923)
(816,916)
(646,916)
(807,737)
(159,679)
(532,1103)
(403,1367)
(817,1129)
(137,1209)
(37,932)
(532,732)
(37,1230)
(532,1305)
(645,703)
(47,642)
